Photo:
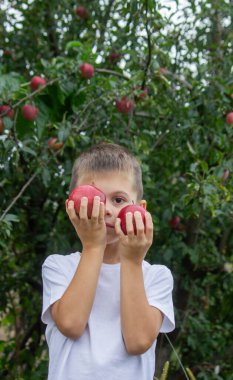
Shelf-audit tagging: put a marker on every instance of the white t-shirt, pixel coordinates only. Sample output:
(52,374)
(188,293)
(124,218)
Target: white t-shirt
(100,352)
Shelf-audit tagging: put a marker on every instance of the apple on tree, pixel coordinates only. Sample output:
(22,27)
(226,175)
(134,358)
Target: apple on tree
(6,110)
(87,70)
(175,222)
(81,11)
(229,118)
(163,70)
(30,112)
(89,192)
(124,105)
(141,93)
(114,57)
(132,209)
(36,82)
(54,144)
(7,53)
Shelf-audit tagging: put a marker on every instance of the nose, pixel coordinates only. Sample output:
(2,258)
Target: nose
(108,208)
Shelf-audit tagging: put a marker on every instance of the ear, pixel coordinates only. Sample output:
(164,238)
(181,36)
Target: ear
(143,203)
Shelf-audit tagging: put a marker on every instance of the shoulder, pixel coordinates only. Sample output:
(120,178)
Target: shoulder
(157,272)
(61,261)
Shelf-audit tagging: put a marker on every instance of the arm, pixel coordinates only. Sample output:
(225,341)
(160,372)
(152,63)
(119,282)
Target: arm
(140,321)
(72,310)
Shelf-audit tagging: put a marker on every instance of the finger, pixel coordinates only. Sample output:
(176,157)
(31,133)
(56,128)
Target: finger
(71,211)
(95,208)
(140,227)
(102,212)
(129,224)
(149,226)
(118,229)
(83,208)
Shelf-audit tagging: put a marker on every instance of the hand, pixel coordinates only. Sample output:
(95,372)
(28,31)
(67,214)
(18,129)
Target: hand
(92,232)
(135,246)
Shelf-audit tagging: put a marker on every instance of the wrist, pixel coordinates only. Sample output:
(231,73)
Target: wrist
(90,250)
(131,261)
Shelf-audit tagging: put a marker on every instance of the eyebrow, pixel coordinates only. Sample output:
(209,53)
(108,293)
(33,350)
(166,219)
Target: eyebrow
(120,192)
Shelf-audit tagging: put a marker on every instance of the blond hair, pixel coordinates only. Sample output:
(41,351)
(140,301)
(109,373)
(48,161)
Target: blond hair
(104,157)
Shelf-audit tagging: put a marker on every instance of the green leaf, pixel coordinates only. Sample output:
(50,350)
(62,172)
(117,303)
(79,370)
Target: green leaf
(29,150)
(73,44)
(46,176)
(191,148)
(11,218)
(9,83)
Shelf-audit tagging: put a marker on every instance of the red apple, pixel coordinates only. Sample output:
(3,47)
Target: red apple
(163,70)
(141,93)
(87,70)
(7,111)
(29,112)
(7,53)
(114,57)
(174,222)
(1,125)
(124,105)
(131,208)
(36,82)
(89,192)
(54,144)
(229,118)
(144,93)
(81,11)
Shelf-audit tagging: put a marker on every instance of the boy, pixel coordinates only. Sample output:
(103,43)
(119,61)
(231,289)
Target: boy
(105,307)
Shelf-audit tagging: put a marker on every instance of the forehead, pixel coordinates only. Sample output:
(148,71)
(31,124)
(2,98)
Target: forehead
(110,181)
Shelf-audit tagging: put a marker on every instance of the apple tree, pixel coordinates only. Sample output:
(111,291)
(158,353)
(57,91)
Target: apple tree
(155,77)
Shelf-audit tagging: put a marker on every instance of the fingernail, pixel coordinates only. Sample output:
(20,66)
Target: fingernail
(70,204)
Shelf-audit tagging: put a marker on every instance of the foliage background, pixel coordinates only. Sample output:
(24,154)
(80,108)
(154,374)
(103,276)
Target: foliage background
(178,132)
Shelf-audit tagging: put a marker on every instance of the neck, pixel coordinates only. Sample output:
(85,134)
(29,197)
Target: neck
(112,253)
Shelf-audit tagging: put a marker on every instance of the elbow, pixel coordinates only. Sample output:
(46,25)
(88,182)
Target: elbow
(71,330)
(138,348)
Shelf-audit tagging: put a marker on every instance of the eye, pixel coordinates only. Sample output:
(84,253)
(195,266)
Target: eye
(119,200)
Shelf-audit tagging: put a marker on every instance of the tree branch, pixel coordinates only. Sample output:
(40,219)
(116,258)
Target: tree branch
(149,49)
(19,195)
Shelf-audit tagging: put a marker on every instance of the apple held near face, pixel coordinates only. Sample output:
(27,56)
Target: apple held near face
(132,209)
(36,82)
(29,112)
(89,192)
(87,70)
(6,110)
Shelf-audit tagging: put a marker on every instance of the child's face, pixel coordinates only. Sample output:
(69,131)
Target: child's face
(119,190)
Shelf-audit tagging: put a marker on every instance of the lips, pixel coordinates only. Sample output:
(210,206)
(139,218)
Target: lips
(109,225)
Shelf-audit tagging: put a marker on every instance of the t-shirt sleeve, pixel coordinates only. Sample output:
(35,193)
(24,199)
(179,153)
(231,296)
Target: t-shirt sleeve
(55,283)
(159,294)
